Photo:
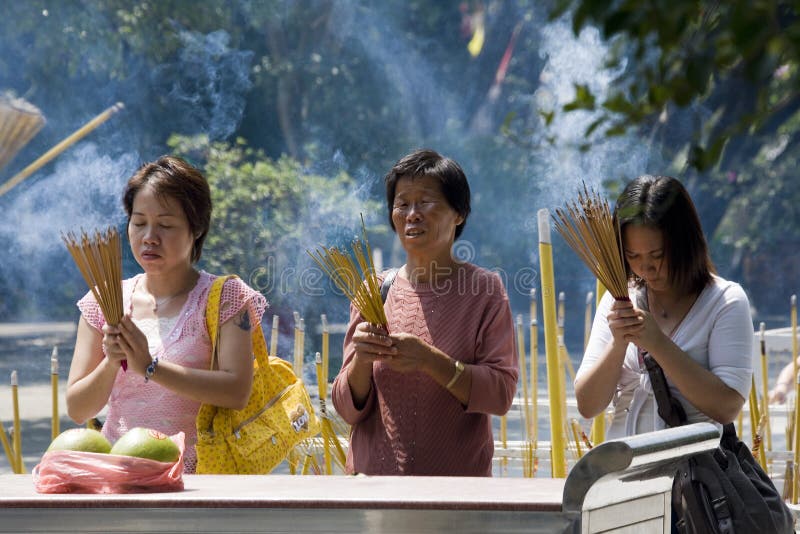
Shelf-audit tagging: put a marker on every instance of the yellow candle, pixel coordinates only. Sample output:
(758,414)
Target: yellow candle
(564,354)
(273,341)
(790,442)
(534,357)
(301,347)
(796,451)
(740,423)
(794,335)
(576,434)
(296,365)
(523,379)
(325,348)
(754,420)
(598,432)
(323,393)
(587,319)
(7,447)
(562,351)
(19,468)
(764,386)
(306,464)
(554,368)
(504,441)
(55,426)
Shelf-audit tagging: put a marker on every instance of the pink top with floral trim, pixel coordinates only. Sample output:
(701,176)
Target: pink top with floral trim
(183,340)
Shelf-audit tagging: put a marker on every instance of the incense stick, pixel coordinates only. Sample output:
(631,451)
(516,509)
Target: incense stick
(356,278)
(76,136)
(590,231)
(99,259)
(20,121)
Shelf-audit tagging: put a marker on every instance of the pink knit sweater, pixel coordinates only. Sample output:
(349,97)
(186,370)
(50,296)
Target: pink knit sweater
(410,425)
(182,340)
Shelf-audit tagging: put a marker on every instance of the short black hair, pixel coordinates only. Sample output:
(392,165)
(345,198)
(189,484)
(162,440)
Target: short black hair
(427,162)
(171,176)
(661,202)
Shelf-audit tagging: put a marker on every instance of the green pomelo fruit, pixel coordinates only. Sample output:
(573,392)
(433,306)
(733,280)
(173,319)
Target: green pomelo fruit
(147,443)
(80,439)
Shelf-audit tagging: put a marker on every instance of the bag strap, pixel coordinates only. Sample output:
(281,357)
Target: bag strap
(694,472)
(387,283)
(213,326)
(670,409)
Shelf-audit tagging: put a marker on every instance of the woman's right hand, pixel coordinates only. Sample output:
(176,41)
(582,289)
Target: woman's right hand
(624,321)
(371,343)
(111,344)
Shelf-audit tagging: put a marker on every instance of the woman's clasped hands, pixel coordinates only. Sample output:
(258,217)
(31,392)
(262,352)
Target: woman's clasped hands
(126,342)
(630,324)
(401,352)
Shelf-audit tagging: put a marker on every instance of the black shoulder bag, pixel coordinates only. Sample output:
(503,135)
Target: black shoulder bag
(724,491)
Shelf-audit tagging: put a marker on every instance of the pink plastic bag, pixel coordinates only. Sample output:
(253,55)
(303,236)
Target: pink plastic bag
(91,472)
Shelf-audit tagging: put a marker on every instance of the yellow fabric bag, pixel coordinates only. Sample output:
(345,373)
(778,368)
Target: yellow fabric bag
(277,417)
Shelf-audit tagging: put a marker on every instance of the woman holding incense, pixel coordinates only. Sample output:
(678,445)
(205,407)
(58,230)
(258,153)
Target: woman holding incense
(693,323)
(162,336)
(420,394)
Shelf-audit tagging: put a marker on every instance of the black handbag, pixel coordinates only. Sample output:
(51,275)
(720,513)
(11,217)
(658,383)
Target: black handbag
(724,491)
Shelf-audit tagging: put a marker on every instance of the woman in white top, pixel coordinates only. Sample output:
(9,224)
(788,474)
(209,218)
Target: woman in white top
(696,325)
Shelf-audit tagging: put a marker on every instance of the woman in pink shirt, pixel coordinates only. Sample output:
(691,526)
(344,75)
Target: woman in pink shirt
(163,334)
(420,396)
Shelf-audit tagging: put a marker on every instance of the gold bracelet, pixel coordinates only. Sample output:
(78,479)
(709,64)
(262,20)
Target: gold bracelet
(459,369)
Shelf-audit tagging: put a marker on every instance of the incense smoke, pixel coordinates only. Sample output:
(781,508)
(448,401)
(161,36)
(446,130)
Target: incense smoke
(206,87)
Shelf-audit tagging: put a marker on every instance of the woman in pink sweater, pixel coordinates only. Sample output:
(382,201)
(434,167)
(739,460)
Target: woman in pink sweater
(420,396)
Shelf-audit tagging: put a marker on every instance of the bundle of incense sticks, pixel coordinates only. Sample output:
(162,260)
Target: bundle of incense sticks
(19,122)
(99,259)
(590,230)
(355,278)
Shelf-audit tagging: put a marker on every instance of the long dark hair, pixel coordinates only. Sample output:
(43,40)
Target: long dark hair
(661,202)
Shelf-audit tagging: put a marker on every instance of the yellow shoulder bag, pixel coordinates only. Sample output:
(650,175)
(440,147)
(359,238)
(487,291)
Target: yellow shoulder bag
(277,417)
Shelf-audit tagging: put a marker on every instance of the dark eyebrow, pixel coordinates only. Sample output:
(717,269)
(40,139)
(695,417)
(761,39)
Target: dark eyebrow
(159,215)
(628,251)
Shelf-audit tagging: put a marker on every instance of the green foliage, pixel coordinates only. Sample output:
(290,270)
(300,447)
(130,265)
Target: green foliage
(266,213)
(584,99)
(684,53)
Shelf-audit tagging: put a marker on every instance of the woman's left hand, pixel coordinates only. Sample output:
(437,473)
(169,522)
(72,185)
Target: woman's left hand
(413,353)
(649,334)
(133,343)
